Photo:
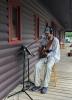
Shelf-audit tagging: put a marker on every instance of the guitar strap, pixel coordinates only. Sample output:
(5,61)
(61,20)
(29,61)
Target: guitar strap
(49,44)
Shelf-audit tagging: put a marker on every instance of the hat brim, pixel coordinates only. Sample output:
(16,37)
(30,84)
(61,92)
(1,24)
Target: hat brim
(47,31)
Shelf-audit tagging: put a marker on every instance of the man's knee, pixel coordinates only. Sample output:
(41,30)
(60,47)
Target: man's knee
(37,66)
(50,66)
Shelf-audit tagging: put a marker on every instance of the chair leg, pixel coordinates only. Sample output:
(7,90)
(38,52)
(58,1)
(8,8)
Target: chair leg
(54,72)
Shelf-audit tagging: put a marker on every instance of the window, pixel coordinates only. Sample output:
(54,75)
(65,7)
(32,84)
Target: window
(36,25)
(14,21)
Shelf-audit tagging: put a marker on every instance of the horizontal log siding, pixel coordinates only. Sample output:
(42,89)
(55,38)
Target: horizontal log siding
(3,22)
(10,69)
(10,64)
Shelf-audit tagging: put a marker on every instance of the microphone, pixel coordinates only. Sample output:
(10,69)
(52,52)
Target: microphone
(42,37)
(43,40)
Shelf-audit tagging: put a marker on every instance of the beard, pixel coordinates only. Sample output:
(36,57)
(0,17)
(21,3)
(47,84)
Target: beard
(49,37)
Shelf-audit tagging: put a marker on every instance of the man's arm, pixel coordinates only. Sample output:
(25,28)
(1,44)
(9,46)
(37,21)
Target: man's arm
(55,50)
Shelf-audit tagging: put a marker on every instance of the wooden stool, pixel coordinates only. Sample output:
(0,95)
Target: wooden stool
(54,74)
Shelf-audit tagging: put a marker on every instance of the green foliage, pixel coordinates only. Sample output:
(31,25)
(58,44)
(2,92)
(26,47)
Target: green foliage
(68,34)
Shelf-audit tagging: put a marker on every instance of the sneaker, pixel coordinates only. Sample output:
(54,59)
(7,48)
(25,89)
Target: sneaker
(35,88)
(44,90)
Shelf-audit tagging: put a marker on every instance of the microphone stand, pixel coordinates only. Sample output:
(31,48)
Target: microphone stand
(24,49)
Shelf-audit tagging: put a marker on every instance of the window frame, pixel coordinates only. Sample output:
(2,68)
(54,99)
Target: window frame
(17,38)
(36,26)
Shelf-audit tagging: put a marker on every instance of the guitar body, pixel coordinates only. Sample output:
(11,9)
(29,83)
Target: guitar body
(42,52)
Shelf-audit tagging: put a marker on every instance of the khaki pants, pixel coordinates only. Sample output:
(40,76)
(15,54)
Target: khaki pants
(47,72)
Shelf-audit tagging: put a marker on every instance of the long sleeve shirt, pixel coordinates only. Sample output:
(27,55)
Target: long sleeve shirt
(55,47)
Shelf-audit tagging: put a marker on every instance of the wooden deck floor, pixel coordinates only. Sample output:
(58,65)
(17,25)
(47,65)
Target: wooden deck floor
(63,90)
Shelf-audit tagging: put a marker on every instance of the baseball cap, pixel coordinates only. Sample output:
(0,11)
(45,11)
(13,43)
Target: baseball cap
(47,30)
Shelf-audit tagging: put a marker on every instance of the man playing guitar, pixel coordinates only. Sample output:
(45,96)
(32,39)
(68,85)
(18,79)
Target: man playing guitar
(52,56)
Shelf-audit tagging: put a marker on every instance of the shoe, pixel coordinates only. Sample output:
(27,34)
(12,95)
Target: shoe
(44,90)
(35,88)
